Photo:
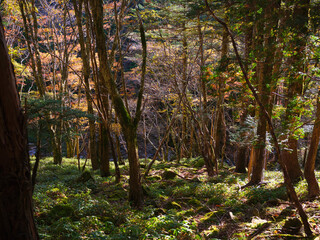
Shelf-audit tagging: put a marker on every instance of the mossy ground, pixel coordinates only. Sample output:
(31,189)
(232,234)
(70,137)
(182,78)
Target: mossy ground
(189,206)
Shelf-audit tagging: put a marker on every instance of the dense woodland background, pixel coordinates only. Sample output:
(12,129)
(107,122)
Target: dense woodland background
(232,84)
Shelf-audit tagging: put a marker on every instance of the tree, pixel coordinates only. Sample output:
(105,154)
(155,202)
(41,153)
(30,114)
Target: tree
(128,123)
(313,186)
(16,211)
(291,191)
(86,75)
(297,24)
(265,44)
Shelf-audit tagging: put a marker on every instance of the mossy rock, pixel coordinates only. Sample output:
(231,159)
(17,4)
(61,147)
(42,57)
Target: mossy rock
(168,175)
(288,211)
(173,205)
(61,210)
(84,177)
(154,178)
(292,226)
(194,202)
(199,163)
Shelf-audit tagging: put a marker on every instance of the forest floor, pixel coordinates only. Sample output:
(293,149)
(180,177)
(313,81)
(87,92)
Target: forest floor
(180,203)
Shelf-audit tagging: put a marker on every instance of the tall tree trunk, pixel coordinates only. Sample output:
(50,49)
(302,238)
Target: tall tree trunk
(241,157)
(56,143)
(183,141)
(219,121)
(128,123)
(38,155)
(135,194)
(313,186)
(86,74)
(264,71)
(115,159)
(241,162)
(298,24)
(258,155)
(16,212)
(202,83)
(104,152)
(290,158)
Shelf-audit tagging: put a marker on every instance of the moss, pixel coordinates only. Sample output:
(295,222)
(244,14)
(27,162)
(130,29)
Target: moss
(154,178)
(167,175)
(292,226)
(59,211)
(199,163)
(84,177)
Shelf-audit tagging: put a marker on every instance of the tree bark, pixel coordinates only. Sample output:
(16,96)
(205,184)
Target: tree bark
(104,152)
(219,121)
(16,211)
(241,159)
(313,186)
(298,25)
(135,194)
(266,54)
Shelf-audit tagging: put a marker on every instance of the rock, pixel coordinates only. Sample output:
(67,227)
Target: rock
(288,211)
(59,211)
(167,175)
(292,226)
(84,177)
(200,163)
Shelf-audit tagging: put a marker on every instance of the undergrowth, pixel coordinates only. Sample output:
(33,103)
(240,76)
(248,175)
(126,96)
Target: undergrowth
(186,206)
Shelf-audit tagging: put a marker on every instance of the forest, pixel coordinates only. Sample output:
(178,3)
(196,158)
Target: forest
(159,119)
